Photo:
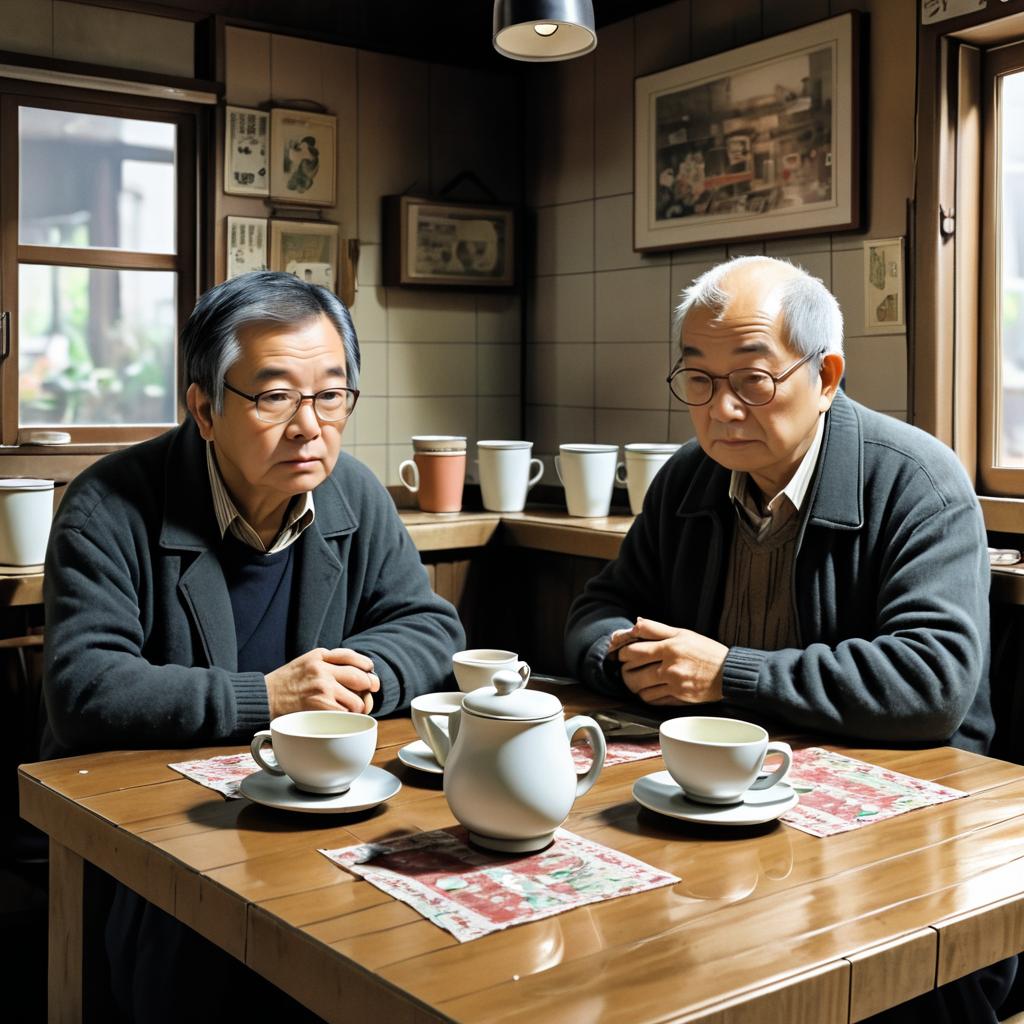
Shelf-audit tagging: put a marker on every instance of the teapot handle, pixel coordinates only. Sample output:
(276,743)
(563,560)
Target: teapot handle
(597,745)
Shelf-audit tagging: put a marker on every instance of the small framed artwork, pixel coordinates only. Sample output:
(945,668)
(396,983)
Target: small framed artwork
(755,143)
(246,137)
(884,299)
(307,249)
(246,245)
(458,245)
(303,149)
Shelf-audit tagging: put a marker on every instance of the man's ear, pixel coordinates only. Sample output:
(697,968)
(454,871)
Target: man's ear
(202,410)
(832,367)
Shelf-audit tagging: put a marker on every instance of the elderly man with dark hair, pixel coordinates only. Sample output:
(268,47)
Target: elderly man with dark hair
(234,569)
(805,560)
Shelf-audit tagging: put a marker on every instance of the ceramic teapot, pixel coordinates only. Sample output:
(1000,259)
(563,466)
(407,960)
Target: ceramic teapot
(509,777)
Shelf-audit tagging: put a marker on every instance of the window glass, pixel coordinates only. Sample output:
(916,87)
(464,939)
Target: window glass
(92,181)
(96,347)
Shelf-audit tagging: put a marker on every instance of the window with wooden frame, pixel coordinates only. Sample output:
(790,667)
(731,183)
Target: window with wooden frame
(98,207)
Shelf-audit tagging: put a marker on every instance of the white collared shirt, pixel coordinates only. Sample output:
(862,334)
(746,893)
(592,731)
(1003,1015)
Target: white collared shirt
(300,513)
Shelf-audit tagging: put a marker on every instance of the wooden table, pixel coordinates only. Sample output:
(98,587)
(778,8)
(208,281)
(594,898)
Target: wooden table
(767,924)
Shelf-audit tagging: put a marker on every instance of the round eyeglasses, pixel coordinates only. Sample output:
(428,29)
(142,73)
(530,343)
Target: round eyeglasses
(751,385)
(280,404)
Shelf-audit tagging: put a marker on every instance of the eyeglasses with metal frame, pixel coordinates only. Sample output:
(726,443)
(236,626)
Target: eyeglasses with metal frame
(750,384)
(278,405)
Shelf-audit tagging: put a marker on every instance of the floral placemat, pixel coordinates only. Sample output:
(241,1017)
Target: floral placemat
(223,773)
(471,893)
(618,752)
(839,793)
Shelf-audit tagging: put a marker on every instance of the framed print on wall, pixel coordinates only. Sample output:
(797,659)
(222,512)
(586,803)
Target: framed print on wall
(246,245)
(754,143)
(884,299)
(303,150)
(307,249)
(452,244)
(246,134)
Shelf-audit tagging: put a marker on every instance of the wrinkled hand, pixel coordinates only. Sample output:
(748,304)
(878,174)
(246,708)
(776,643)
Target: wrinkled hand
(665,665)
(323,680)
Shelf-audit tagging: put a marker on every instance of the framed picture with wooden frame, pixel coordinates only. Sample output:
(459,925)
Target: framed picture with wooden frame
(246,136)
(440,243)
(758,142)
(303,148)
(306,249)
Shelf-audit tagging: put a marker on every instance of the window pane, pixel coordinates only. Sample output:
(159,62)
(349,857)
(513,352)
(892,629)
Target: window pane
(95,347)
(1010,443)
(93,181)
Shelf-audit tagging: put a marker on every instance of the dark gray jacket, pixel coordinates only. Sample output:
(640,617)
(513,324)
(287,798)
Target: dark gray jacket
(890,589)
(140,637)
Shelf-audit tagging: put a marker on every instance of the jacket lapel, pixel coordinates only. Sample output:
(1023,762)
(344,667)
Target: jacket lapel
(837,491)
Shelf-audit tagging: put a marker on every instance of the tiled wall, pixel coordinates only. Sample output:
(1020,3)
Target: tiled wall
(433,362)
(598,314)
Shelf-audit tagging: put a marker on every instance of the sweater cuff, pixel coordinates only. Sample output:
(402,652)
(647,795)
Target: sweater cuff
(740,672)
(252,706)
(389,697)
(602,673)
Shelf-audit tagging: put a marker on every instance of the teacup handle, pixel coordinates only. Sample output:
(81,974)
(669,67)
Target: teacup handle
(780,773)
(259,741)
(440,742)
(415,470)
(524,671)
(535,477)
(621,474)
(597,745)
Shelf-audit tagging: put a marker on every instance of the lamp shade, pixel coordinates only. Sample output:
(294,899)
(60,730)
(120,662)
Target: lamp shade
(544,29)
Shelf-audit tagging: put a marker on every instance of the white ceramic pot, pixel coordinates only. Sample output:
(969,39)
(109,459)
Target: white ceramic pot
(26,509)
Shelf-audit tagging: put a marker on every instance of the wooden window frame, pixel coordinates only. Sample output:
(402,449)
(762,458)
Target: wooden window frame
(189,120)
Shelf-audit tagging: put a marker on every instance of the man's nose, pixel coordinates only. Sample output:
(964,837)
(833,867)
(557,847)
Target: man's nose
(304,423)
(725,406)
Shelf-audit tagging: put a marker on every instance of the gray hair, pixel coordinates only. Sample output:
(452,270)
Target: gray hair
(810,312)
(209,342)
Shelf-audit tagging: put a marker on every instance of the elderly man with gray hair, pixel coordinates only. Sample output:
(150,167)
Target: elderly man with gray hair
(804,561)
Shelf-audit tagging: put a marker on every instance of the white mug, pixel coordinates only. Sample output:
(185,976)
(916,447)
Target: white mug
(587,472)
(506,474)
(641,466)
(716,760)
(320,751)
(477,667)
(435,719)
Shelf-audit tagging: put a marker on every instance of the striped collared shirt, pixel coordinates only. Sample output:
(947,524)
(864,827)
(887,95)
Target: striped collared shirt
(300,513)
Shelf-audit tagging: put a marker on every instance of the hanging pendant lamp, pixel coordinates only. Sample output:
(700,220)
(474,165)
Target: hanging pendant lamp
(544,29)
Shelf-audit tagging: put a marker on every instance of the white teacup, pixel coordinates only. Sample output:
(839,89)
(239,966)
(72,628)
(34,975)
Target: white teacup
(587,472)
(476,668)
(507,472)
(320,751)
(641,466)
(716,760)
(435,718)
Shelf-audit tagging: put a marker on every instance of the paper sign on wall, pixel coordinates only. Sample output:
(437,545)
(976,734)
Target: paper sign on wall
(941,10)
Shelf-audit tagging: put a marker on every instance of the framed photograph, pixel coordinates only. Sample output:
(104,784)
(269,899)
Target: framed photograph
(755,143)
(307,249)
(246,136)
(303,150)
(436,242)
(246,245)
(884,299)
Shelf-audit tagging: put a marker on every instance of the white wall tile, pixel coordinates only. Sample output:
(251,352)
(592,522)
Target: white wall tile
(632,305)
(371,420)
(548,426)
(340,86)
(499,319)
(680,426)
(370,271)
(497,370)
(28,26)
(848,288)
(745,249)
(499,419)
(565,239)
(408,416)
(613,236)
(630,426)
(430,369)
(430,316)
(876,371)
(786,247)
(817,264)
(247,67)
(375,456)
(370,314)
(631,376)
(295,70)
(560,374)
(613,125)
(373,370)
(395,455)
(707,254)
(562,308)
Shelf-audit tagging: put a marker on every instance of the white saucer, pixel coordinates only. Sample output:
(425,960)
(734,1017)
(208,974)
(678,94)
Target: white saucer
(418,755)
(658,792)
(373,787)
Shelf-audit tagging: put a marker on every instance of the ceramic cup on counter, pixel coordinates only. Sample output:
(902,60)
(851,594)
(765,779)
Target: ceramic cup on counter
(320,751)
(26,509)
(477,667)
(716,760)
(641,466)
(587,472)
(507,472)
(436,472)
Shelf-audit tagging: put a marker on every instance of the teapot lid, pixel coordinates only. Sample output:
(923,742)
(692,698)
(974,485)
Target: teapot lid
(507,698)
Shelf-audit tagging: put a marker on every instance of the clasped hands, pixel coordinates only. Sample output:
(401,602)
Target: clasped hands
(666,665)
(323,680)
